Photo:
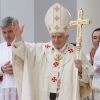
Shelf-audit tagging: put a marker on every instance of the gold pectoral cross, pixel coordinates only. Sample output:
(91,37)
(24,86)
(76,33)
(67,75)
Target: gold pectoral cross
(79,22)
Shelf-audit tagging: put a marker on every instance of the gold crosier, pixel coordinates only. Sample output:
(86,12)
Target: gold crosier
(79,23)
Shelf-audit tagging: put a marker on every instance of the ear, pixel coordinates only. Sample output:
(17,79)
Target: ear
(22,28)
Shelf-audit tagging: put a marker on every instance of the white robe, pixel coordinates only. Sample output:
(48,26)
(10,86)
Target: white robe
(34,68)
(8,90)
(96,78)
(5,56)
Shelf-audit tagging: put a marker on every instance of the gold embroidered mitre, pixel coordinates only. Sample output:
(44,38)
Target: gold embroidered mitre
(57,19)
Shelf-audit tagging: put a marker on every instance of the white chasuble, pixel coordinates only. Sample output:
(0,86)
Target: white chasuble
(42,67)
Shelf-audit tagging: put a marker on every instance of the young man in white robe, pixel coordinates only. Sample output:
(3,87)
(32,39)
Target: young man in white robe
(96,77)
(8,90)
(47,71)
(95,43)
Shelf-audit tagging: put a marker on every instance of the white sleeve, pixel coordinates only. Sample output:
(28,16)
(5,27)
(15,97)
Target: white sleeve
(18,49)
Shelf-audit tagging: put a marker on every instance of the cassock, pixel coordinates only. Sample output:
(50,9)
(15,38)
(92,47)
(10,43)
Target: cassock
(8,89)
(36,68)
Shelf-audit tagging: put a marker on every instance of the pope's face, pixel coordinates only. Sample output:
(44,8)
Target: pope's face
(8,33)
(59,39)
(96,39)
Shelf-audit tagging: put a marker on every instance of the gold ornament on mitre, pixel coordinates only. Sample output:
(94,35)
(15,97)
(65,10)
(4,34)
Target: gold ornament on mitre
(57,19)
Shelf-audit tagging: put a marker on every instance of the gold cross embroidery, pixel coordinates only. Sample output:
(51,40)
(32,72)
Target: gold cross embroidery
(65,28)
(79,22)
(57,8)
(57,27)
(57,18)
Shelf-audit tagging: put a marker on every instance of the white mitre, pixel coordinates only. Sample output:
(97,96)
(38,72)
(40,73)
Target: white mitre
(57,19)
